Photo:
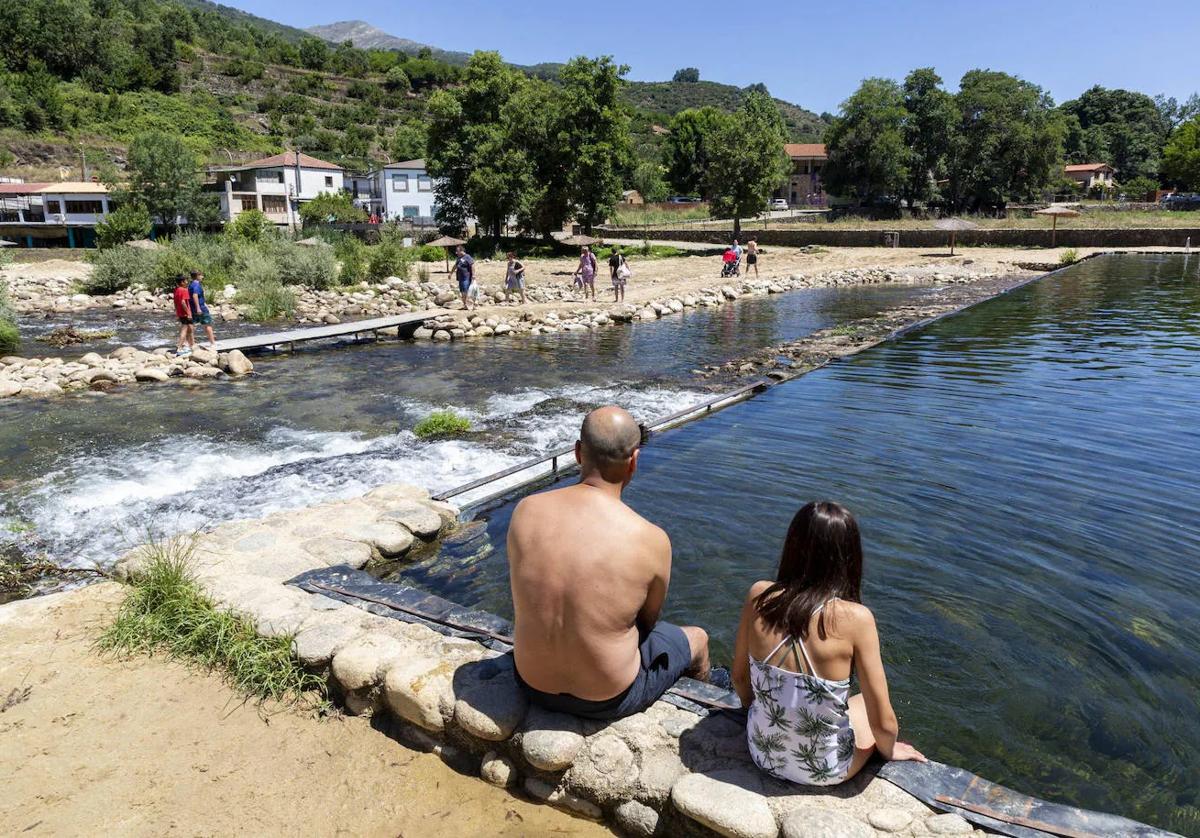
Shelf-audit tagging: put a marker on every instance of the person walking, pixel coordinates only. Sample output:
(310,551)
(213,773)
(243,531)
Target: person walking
(586,272)
(183,313)
(619,269)
(514,278)
(464,270)
(752,257)
(200,313)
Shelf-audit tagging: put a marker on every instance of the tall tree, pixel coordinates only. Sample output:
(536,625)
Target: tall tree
(1181,157)
(1120,127)
(162,176)
(746,160)
(928,131)
(868,156)
(687,74)
(685,155)
(1008,144)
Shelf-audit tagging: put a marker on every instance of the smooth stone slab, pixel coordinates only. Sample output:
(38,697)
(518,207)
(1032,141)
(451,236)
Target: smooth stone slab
(822,822)
(417,517)
(725,803)
(890,820)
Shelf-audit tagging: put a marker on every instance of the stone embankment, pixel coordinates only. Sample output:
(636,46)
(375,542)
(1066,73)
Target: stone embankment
(664,771)
(54,376)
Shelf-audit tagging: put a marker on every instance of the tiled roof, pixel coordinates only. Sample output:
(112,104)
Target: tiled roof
(21,188)
(1086,167)
(805,150)
(288,158)
(419,163)
(75,187)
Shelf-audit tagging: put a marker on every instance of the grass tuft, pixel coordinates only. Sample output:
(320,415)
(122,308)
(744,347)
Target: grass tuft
(442,423)
(166,611)
(1069,257)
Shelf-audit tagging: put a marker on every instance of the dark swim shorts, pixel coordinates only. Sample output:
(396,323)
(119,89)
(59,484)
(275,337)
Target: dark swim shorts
(665,655)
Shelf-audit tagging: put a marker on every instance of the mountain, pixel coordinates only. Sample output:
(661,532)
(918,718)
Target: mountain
(365,36)
(233,15)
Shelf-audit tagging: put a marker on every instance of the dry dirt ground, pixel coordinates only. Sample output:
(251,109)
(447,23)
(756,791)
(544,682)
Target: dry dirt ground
(92,746)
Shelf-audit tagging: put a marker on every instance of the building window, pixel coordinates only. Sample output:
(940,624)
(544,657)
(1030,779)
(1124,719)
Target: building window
(248,202)
(85,207)
(399,183)
(275,204)
(424,183)
(329,181)
(412,212)
(269,176)
(53,207)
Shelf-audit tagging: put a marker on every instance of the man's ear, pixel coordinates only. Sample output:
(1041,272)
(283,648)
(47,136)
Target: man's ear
(579,451)
(633,461)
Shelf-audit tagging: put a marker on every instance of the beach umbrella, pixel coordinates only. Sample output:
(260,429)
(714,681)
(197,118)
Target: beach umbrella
(1055,211)
(7,243)
(447,242)
(144,244)
(954,226)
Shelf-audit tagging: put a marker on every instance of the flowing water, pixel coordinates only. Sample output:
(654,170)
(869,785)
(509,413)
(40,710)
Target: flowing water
(87,476)
(1025,475)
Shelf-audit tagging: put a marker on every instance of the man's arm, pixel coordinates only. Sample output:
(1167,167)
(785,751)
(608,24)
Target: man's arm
(656,595)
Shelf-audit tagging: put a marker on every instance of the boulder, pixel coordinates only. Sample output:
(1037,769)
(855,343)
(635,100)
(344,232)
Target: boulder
(490,705)
(498,770)
(417,517)
(443,335)
(728,802)
(390,538)
(823,822)
(151,374)
(604,771)
(330,319)
(92,359)
(360,665)
(199,371)
(419,690)
(636,819)
(238,364)
(551,741)
(315,645)
(9,388)
(204,356)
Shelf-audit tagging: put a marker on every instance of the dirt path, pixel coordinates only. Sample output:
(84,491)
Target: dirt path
(148,747)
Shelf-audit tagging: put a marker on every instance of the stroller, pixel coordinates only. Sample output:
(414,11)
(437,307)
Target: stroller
(732,265)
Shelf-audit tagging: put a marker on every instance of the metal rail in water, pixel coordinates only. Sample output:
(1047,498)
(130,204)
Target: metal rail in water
(548,465)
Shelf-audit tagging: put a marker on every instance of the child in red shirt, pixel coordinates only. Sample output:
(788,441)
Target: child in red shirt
(183,312)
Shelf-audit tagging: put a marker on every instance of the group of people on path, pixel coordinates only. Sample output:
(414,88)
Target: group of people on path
(191,311)
(732,258)
(514,276)
(618,269)
(589,580)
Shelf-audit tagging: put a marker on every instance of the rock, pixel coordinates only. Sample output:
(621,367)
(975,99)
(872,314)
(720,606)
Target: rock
(890,819)
(551,740)
(948,824)
(421,333)
(334,551)
(725,803)
(198,371)
(498,770)
(728,293)
(636,819)
(203,356)
(563,799)
(418,690)
(238,364)
(360,665)
(417,517)
(660,770)
(330,319)
(151,374)
(9,388)
(823,822)
(390,538)
(605,770)
(315,645)
(442,335)
(92,376)
(490,705)
(92,359)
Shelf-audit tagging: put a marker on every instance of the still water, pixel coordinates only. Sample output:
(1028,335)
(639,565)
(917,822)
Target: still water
(85,477)
(1025,475)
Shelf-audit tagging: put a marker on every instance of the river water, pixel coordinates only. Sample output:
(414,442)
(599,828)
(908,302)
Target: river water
(1025,475)
(87,476)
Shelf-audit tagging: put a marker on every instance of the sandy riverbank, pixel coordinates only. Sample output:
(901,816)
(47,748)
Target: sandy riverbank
(147,747)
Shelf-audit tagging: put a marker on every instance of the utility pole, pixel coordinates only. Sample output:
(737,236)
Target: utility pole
(82,164)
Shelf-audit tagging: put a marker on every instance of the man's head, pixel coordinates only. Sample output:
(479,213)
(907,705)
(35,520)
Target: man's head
(511,255)
(460,250)
(735,241)
(608,445)
(181,279)
(197,275)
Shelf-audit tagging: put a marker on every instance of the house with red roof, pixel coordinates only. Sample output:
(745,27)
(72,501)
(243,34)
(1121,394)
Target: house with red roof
(275,185)
(804,186)
(1089,175)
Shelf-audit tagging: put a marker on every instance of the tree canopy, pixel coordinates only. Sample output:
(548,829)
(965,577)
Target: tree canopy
(162,177)
(685,155)
(868,156)
(746,160)
(687,74)
(1181,157)
(1120,127)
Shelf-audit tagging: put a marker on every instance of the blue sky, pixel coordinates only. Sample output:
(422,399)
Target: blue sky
(813,54)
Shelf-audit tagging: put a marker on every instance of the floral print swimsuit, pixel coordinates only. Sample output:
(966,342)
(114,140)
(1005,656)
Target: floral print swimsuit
(798,727)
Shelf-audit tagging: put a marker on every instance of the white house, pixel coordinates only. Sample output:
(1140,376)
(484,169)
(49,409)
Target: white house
(53,214)
(274,185)
(405,192)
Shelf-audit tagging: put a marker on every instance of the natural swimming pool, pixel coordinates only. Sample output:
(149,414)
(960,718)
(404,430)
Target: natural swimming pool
(1025,474)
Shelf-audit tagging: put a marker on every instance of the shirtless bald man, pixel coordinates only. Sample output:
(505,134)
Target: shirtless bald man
(589,577)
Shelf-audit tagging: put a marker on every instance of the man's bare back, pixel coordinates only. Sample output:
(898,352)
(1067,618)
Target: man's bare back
(589,578)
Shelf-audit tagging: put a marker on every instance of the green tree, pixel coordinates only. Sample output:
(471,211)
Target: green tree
(687,74)
(397,80)
(163,177)
(1120,127)
(746,160)
(1008,142)
(314,53)
(338,206)
(1181,157)
(868,154)
(929,121)
(126,223)
(648,181)
(685,154)
(250,225)
(408,142)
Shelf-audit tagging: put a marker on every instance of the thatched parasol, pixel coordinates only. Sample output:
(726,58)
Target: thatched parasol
(447,242)
(581,240)
(144,244)
(1055,211)
(7,243)
(954,226)
(312,241)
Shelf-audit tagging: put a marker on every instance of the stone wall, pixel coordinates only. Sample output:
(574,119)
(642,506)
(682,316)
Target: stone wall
(666,771)
(832,237)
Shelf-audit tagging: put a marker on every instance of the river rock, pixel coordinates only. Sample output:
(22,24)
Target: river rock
(315,645)
(238,364)
(726,803)
(890,819)
(390,538)
(636,819)
(605,770)
(563,799)
(948,824)
(823,822)
(199,371)
(660,770)
(417,517)
(204,356)
(551,740)
(92,359)
(490,705)
(442,335)
(9,388)
(418,690)
(359,665)
(498,770)
(151,374)
(330,319)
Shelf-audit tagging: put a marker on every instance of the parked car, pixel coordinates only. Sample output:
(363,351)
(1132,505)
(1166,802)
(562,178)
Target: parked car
(777,204)
(683,199)
(1181,201)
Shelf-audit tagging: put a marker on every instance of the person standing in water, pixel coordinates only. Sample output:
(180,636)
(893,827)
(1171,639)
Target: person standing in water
(586,272)
(183,313)
(200,314)
(514,277)
(800,638)
(464,270)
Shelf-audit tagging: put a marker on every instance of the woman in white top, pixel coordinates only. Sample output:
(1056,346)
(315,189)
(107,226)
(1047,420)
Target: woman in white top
(799,639)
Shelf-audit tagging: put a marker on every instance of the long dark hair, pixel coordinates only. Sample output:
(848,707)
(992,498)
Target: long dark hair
(822,558)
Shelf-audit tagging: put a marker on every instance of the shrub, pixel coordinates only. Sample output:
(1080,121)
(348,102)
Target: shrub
(166,611)
(312,267)
(331,206)
(260,288)
(430,253)
(124,224)
(352,254)
(121,267)
(250,225)
(1069,257)
(390,257)
(169,263)
(208,253)
(440,424)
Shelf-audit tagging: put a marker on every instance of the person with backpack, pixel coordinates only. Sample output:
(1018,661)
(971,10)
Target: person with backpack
(619,269)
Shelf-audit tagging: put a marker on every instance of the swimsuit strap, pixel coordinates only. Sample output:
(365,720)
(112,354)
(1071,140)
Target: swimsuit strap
(775,651)
(807,660)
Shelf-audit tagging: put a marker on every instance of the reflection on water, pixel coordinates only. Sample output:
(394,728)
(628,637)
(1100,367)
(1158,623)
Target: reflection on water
(1025,474)
(93,472)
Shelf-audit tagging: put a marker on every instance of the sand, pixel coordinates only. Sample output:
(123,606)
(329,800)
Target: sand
(148,747)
